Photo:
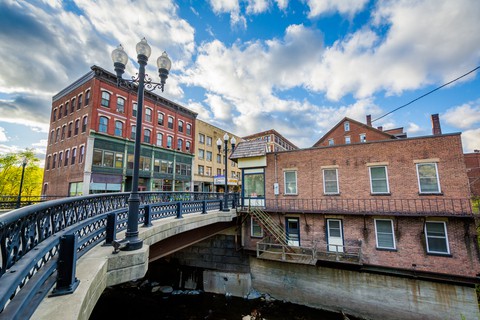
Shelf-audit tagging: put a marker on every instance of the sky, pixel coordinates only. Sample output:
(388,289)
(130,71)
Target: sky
(296,66)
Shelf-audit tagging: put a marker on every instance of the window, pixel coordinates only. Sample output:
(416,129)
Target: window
(208,171)
(72,109)
(70,125)
(384,234)
(54,114)
(330,181)
(169,141)
(103,124)
(52,135)
(105,99)
(134,109)
(67,156)
(49,159)
(118,128)
(180,126)
(146,136)
(64,130)
(84,124)
(256,231)
(54,161)
(201,154)
(189,129)
(290,182)
(159,139)
(363,137)
(74,155)
(346,126)
(347,140)
(219,171)
(331,142)
(82,154)
(379,180)
(219,158)
(428,178)
(87,99)
(60,112)
(209,141)
(209,156)
(133,131)
(160,118)
(66,109)
(200,170)
(120,105)
(254,185)
(170,122)
(201,138)
(57,136)
(60,158)
(77,126)
(187,145)
(148,115)
(436,236)
(180,144)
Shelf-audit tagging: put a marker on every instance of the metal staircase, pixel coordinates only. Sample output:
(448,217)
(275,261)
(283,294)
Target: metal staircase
(269,225)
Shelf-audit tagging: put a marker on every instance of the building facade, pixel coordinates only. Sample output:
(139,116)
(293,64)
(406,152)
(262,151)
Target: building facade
(472,162)
(275,141)
(397,210)
(209,168)
(92,135)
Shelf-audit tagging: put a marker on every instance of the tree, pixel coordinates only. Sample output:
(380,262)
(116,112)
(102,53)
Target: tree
(11,173)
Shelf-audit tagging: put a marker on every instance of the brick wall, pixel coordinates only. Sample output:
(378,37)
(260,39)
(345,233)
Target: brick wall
(472,162)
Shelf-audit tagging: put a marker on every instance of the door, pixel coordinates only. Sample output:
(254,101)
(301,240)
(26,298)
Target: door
(334,235)
(293,231)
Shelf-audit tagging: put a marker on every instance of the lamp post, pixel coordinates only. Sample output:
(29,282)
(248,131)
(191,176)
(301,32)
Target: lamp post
(24,163)
(225,151)
(142,80)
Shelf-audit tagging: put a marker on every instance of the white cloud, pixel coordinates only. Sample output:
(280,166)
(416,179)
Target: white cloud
(470,140)
(257,6)
(3,135)
(344,7)
(463,116)
(413,128)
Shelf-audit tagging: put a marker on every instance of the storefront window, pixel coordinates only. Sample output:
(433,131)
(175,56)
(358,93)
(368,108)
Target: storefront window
(254,185)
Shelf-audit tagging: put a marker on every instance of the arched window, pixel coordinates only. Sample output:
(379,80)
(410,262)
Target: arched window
(87,97)
(74,155)
(119,128)
(170,122)
(66,109)
(180,144)
(103,124)
(133,132)
(120,105)
(105,99)
(189,129)
(64,129)
(52,134)
(148,115)
(49,158)
(54,163)
(159,139)
(180,126)
(67,156)
(187,145)
(70,125)
(134,109)
(82,154)
(72,109)
(84,124)
(146,136)
(169,141)
(57,136)
(79,105)
(160,118)
(77,126)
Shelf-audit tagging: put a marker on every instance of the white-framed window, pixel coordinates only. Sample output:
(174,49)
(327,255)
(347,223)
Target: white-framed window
(379,179)
(290,182)
(160,118)
(118,128)
(134,109)
(189,129)
(331,142)
(330,181)
(148,115)
(170,122)
(384,234)
(120,105)
(436,237)
(209,141)
(105,99)
(201,138)
(133,131)
(169,141)
(346,126)
(428,181)
(180,144)
(146,135)
(201,154)
(363,137)
(209,155)
(347,140)
(188,145)
(103,124)
(159,139)
(256,230)
(180,126)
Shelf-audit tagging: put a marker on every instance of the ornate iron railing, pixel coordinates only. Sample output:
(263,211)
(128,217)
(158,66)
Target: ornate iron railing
(415,207)
(32,237)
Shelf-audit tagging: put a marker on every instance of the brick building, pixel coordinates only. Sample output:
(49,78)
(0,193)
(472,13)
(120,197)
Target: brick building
(91,140)
(472,162)
(274,140)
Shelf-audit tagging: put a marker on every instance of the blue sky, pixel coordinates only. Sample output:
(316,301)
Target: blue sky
(247,66)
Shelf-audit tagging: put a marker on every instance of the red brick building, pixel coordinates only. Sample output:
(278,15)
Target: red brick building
(275,141)
(91,140)
(397,206)
(472,162)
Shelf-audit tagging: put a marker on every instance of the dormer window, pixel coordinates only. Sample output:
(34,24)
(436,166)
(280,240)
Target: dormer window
(346,126)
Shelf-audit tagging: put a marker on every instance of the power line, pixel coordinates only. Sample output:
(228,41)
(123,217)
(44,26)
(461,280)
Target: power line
(426,94)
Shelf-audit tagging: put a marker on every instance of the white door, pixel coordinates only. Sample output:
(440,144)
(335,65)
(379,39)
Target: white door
(293,232)
(335,235)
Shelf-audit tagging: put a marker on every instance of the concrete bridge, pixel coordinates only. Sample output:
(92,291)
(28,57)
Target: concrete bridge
(33,238)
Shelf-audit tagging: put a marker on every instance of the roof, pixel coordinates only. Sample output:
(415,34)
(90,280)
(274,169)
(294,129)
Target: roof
(387,135)
(268,132)
(248,149)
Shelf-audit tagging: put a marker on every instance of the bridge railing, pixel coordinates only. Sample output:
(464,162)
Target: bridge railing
(31,239)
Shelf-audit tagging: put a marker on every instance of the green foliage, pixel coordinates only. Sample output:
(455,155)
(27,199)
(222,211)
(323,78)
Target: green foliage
(11,174)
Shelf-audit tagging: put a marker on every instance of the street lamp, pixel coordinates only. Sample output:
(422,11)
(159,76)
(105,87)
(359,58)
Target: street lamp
(141,81)
(225,151)
(24,163)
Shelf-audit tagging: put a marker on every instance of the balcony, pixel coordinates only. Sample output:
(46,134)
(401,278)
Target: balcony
(396,207)
(270,249)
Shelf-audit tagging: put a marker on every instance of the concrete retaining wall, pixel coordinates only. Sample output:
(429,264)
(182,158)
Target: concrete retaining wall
(364,294)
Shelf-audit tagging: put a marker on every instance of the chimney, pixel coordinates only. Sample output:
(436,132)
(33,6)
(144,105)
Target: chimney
(369,120)
(436,129)
(380,128)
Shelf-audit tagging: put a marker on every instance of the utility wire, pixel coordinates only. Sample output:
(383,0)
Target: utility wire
(426,94)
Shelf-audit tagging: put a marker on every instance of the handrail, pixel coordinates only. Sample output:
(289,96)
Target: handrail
(91,219)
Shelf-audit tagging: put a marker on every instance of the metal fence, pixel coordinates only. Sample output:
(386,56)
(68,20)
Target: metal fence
(33,237)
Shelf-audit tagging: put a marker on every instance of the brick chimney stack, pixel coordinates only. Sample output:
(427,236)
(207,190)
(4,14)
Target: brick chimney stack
(380,128)
(369,120)
(436,129)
